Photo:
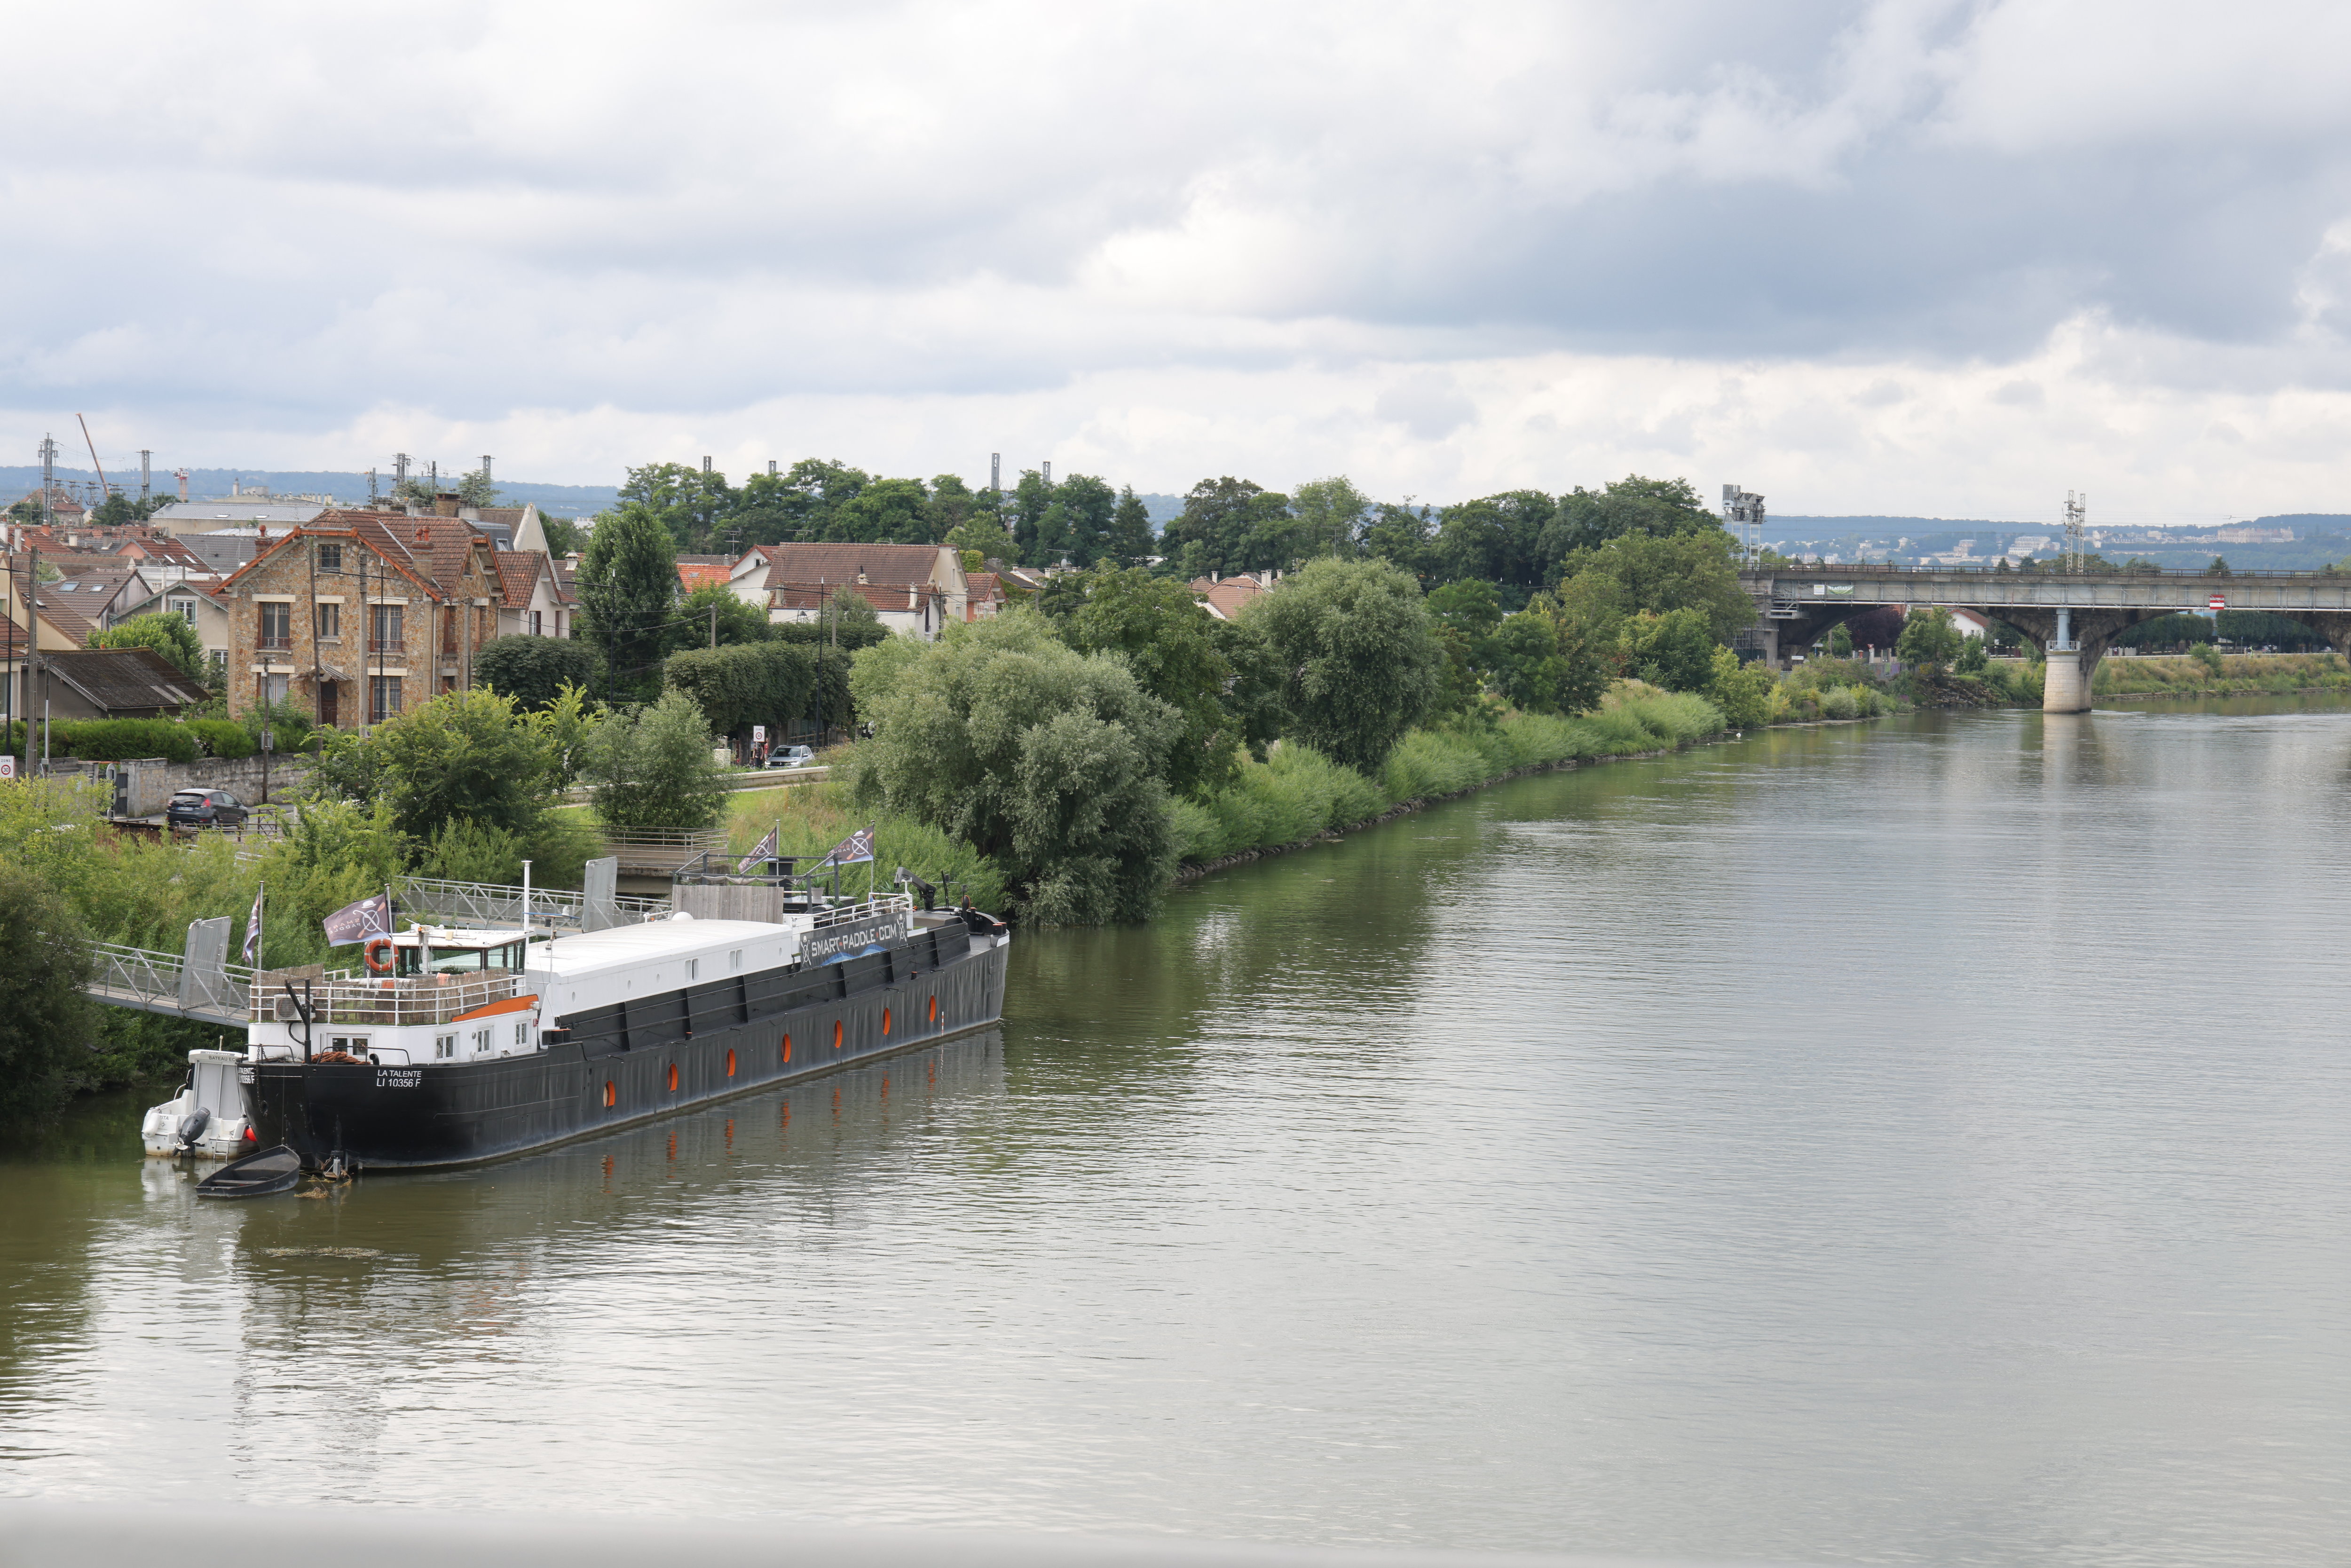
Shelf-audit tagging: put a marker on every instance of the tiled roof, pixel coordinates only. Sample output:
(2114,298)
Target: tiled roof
(118,678)
(519,572)
(832,563)
(1225,598)
(692,575)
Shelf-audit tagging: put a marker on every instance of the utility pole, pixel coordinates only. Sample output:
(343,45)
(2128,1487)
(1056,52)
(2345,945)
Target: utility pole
(2077,509)
(996,470)
(486,470)
(399,473)
(371,489)
(713,623)
(33,644)
(144,486)
(48,479)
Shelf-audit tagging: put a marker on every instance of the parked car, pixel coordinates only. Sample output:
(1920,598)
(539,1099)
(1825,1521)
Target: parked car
(792,756)
(193,809)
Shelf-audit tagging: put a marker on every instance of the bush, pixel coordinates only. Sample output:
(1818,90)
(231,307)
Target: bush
(1360,658)
(652,769)
(766,683)
(170,635)
(224,737)
(116,739)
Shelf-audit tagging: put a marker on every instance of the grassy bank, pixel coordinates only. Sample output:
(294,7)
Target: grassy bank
(2240,675)
(814,818)
(1298,794)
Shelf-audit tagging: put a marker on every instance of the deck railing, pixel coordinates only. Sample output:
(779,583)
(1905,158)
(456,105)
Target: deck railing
(495,905)
(349,997)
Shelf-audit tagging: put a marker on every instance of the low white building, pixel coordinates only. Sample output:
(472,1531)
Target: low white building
(914,589)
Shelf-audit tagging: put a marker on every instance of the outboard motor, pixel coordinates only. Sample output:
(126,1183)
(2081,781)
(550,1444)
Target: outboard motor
(192,1127)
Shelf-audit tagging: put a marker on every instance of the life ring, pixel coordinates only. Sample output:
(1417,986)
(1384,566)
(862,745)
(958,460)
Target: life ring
(376,945)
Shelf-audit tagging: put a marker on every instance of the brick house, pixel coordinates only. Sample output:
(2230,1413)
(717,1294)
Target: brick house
(359,616)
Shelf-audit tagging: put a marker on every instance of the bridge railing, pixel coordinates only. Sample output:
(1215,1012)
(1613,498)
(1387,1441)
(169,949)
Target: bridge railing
(1851,569)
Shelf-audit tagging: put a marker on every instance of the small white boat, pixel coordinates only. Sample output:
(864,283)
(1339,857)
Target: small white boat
(207,1117)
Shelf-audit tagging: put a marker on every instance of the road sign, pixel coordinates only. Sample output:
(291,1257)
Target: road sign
(269,739)
(2220,602)
(7,766)
(758,733)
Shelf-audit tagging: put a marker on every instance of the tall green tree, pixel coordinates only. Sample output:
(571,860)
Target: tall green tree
(627,594)
(464,756)
(170,635)
(655,768)
(887,511)
(1329,514)
(714,609)
(1404,536)
(1129,541)
(1929,638)
(1043,758)
(1228,525)
(690,504)
(1360,657)
(1656,573)
(1587,519)
(1169,640)
(47,1024)
(1496,537)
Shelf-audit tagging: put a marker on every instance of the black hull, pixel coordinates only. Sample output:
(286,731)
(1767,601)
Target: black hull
(388,1118)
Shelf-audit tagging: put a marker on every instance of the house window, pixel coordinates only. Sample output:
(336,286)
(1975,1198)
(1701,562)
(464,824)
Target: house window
(220,665)
(537,624)
(522,1035)
(185,608)
(330,558)
(330,620)
(444,1046)
(272,688)
(278,626)
(384,691)
(480,1040)
(387,633)
(357,1044)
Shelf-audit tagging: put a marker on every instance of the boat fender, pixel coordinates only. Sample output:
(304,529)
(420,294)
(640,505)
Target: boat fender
(192,1127)
(376,954)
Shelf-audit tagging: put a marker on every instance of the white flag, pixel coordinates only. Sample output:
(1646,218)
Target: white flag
(252,929)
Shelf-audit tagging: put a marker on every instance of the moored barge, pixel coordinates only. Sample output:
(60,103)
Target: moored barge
(458,1045)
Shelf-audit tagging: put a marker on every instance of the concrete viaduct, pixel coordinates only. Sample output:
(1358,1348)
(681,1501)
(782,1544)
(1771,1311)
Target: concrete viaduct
(2070,618)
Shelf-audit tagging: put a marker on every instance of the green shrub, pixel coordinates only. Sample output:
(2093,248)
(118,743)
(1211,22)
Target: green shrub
(224,737)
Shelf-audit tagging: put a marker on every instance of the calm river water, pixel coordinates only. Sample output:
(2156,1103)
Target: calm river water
(1925,1142)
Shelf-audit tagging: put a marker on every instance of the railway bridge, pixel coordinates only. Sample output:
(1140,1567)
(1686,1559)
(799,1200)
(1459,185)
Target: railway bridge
(2071,618)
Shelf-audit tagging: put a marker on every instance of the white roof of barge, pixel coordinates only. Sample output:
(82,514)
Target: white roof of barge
(655,939)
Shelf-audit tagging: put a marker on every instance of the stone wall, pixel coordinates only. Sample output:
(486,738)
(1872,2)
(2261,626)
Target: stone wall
(154,780)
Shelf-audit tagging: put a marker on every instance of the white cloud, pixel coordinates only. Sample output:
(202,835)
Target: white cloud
(1834,251)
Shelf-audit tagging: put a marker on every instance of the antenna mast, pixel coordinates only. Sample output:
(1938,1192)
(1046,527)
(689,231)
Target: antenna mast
(1742,512)
(2077,509)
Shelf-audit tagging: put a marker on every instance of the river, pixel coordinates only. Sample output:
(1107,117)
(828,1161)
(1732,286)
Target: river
(1926,1141)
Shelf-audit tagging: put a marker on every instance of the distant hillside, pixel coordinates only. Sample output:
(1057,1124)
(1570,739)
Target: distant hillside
(204,484)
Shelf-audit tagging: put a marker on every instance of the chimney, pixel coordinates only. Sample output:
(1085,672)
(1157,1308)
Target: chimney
(444,504)
(183,476)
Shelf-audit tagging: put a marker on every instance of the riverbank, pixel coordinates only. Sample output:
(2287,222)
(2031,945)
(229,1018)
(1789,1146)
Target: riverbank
(1296,797)
(2240,675)
(1299,796)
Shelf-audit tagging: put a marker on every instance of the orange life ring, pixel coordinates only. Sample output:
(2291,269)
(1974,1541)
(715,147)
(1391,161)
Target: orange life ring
(376,945)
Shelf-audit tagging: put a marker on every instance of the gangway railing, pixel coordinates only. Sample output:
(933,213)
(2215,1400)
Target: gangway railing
(497,904)
(166,983)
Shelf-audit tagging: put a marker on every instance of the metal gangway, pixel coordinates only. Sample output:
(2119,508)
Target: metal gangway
(598,906)
(200,984)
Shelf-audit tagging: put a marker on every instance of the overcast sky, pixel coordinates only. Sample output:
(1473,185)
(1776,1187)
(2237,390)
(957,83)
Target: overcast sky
(1918,257)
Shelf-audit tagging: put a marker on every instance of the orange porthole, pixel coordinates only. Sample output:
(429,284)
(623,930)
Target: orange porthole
(612,1095)
(836,1034)
(885,1020)
(730,1063)
(935,1009)
(672,1077)
(787,1047)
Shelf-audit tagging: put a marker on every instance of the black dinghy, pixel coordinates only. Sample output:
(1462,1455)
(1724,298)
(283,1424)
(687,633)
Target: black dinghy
(255,1176)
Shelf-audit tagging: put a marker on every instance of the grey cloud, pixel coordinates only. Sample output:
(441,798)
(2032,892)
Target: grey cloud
(1429,405)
